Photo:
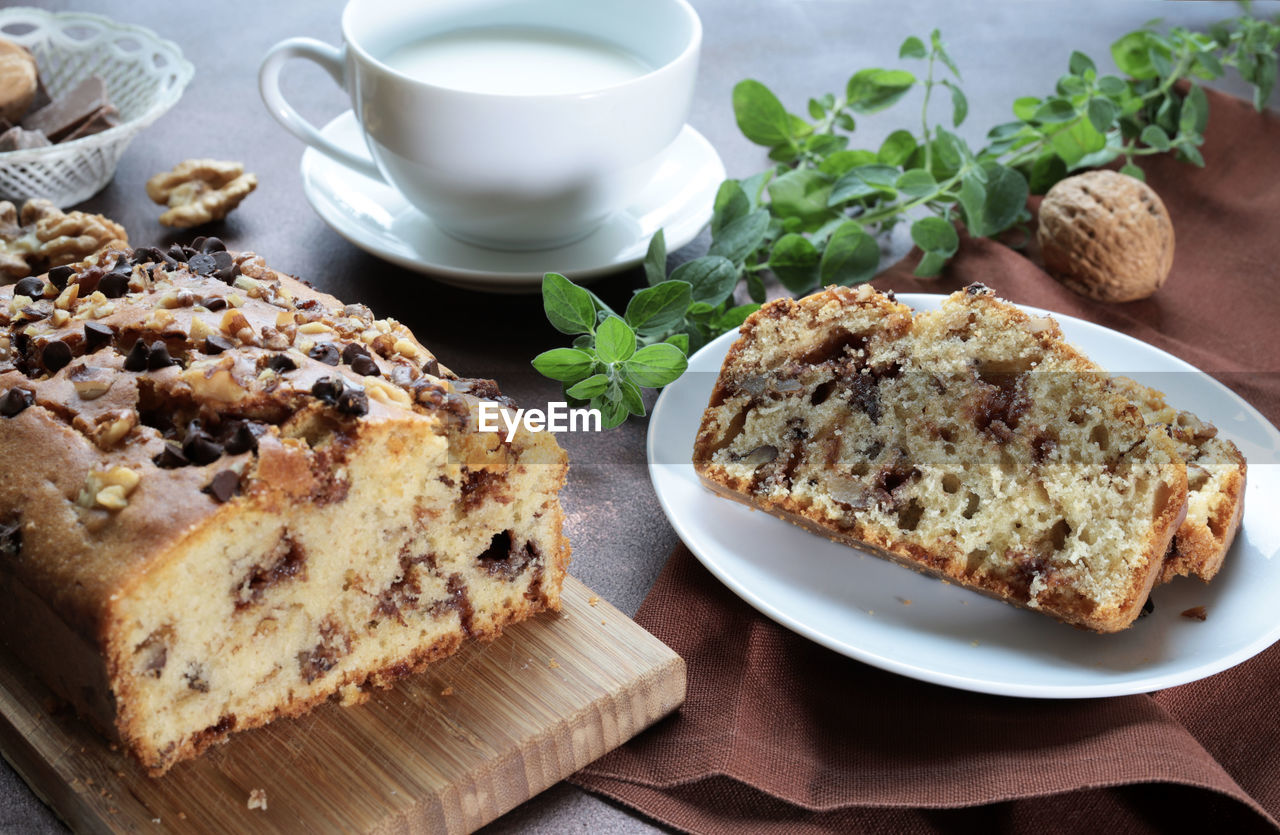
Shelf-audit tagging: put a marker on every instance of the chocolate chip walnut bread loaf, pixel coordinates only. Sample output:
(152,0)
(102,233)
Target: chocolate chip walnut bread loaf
(227,497)
(970,442)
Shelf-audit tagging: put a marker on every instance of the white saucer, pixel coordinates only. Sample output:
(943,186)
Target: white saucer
(376,218)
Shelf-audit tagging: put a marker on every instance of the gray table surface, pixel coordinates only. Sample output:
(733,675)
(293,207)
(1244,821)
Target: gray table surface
(800,48)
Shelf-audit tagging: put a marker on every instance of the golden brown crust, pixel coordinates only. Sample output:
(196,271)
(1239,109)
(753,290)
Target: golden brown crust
(1199,550)
(1217,473)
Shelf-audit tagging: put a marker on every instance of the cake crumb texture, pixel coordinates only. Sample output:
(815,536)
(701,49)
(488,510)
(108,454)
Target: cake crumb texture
(971,442)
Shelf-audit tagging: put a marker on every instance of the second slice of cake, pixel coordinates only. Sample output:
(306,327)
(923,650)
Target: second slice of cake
(971,442)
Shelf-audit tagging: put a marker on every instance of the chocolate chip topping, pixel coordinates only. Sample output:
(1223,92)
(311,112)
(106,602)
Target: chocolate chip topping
(325,352)
(179,254)
(431,367)
(327,389)
(136,359)
(353,350)
(281,363)
(224,486)
(15,400)
(96,336)
(365,366)
(171,457)
(158,356)
(152,255)
(31,287)
(333,392)
(113,285)
(199,446)
(202,264)
(214,303)
(226,267)
(240,439)
(215,344)
(353,402)
(59,276)
(88,281)
(55,356)
(209,244)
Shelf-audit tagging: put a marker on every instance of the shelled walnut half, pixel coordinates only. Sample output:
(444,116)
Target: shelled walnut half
(200,191)
(1107,236)
(42,236)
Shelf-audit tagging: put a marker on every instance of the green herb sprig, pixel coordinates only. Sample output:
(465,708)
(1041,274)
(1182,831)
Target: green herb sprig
(613,357)
(814,217)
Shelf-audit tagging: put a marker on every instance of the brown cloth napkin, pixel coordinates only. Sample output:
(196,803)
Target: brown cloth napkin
(781,735)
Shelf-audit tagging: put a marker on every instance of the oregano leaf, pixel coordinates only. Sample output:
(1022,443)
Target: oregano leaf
(655,260)
(761,117)
(564,364)
(794,260)
(569,308)
(912,47)
(851,256)
(615,341)
(661,307)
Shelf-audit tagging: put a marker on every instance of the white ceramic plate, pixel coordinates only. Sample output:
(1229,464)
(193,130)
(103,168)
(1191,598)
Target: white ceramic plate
(375,217)
(854,603)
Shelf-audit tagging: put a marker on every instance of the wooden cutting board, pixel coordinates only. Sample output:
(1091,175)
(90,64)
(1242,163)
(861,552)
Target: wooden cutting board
(445,751)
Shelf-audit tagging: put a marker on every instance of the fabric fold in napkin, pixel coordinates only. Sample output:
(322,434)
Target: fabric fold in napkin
(779,734)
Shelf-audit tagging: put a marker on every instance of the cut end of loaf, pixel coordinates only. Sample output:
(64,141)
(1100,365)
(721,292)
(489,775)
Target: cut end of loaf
(271,608)
(970,442)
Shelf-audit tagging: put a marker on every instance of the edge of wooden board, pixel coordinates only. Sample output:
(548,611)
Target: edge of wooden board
(487,729)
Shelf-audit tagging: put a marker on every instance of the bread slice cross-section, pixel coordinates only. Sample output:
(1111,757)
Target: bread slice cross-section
(971,442)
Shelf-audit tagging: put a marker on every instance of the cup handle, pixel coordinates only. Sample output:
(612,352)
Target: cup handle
(333,61)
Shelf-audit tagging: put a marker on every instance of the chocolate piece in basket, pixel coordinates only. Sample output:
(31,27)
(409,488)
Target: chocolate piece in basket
(971,442)
(204,528)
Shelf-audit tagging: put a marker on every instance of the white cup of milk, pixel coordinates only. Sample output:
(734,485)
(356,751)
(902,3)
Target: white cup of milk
(512,124)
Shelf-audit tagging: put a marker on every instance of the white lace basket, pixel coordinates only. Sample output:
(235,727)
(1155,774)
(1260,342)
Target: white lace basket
(145,76)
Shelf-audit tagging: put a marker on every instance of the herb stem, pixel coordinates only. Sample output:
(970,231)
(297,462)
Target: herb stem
(924,112)
(892,209)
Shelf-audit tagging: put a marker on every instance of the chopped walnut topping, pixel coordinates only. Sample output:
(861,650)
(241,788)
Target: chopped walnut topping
(212,380)
(387,393)
(67,298)
(159,319)
(108,489)
(406,348)
(200,190)
(112,427)
(233,322)
(91,382)
(199,328)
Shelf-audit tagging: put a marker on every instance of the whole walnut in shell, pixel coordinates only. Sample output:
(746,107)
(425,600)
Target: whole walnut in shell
(1107,236)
